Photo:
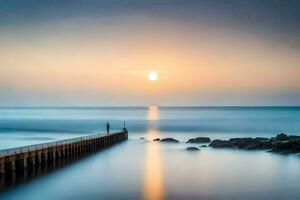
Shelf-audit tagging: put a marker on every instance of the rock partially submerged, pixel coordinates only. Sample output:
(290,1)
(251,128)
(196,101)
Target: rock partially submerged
(169,140)
(294,138)
(199,140)
(142,138)
(251,143)
(292,146)
(243,143)
(280,137)
(263,139)
(192,149)
(220,144)
(283,137)
(282,143)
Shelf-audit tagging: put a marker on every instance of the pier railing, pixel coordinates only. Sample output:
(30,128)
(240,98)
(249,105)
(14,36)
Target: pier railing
(15,150)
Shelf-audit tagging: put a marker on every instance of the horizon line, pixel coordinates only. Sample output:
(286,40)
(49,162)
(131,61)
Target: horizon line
(141,106)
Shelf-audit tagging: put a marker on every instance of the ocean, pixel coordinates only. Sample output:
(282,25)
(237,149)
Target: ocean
(144,169)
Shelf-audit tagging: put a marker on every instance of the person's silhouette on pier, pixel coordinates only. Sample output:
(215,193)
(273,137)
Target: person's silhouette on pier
(124,126)
(107,127)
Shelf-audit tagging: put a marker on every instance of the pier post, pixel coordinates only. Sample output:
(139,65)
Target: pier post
(39,157)
(2,165)
(44,156)
(10,163)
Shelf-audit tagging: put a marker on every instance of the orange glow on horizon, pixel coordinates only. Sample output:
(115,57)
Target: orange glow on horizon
(114,65)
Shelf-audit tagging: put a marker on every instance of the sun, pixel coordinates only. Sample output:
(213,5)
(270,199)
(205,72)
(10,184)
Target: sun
(152,76)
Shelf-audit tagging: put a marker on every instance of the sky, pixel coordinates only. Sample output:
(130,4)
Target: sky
(98,52)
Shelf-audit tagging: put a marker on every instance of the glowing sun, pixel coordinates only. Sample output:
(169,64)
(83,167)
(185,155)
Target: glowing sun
(152,76)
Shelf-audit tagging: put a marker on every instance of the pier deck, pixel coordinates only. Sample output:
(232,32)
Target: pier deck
(21,158)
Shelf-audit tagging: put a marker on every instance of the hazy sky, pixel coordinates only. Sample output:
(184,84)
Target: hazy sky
(209,52)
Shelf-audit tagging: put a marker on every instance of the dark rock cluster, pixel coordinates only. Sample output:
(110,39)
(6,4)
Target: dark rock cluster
(291,146)
(283,137)
(220,144)
(199,140)
(243,143)
(192,149)
(282,143)
(167,140)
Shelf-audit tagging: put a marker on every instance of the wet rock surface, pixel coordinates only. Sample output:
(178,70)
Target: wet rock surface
(292,146)
(283,137)
(192,149)
(220,144)
(171,140)
(250,143)
(282,143)
(199,140)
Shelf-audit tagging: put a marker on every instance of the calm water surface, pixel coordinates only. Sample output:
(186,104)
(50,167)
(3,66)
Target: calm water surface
(143,169)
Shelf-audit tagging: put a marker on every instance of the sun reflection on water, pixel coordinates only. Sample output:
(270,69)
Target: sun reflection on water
(153,113)
(153,182)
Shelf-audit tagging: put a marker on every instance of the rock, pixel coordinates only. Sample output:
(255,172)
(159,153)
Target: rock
(169,140)
(142,138)
(203,145)
(283,137)
(294,137)
(192,149)
(220,144)
(250,143)
(156,139)
(262,139)
(282,143)
(280,137)
(243,143)
(287,147)
(199,140)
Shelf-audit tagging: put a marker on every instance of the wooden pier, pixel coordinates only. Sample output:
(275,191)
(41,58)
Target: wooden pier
(28,157)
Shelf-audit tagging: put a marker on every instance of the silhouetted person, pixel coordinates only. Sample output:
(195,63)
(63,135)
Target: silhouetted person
(107,127)
(124,126)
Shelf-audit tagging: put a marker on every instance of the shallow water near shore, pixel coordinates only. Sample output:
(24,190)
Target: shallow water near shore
(144,169)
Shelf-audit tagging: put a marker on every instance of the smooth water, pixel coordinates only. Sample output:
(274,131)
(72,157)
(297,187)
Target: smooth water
(143,169)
